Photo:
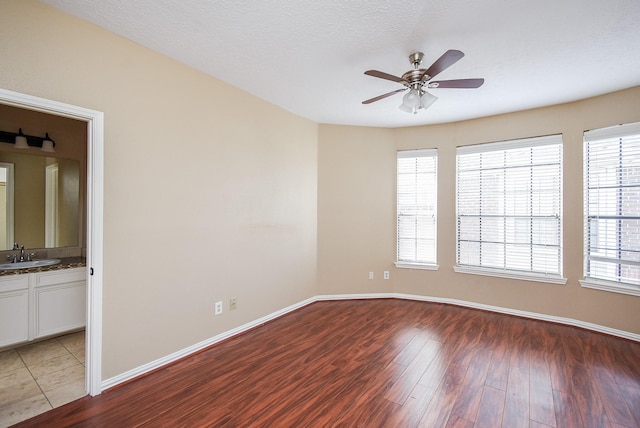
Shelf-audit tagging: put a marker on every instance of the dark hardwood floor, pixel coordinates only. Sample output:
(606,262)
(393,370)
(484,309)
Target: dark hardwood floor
(383,363)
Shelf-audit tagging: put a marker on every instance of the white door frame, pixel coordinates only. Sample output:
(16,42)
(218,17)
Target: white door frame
(94,235)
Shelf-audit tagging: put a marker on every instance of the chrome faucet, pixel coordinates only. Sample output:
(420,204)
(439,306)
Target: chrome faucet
(14,257)
(21,257)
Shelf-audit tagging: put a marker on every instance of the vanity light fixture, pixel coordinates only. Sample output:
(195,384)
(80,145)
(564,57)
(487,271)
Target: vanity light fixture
(47,144)
(22,141)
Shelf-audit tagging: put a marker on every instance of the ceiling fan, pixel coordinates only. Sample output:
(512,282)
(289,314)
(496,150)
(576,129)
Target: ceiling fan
(419,79)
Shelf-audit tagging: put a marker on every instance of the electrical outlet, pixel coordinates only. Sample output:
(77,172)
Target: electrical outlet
(218,309)
(233,303)
(370,275)
(386,274)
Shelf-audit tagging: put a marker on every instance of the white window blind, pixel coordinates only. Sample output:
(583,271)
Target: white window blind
(416,206)
(509,203)
(612,204)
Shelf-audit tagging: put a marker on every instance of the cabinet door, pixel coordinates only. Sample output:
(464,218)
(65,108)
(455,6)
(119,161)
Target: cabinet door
(14,316)
(59,308)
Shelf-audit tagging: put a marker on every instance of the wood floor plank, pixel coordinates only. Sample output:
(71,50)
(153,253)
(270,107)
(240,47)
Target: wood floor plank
(468,400)
(439,410)
(418,339)
(516,406)
(567,410)
(383,363)
(408,414)
(499,342)
(541,407)
(491,409)
(407,381)
(632,397)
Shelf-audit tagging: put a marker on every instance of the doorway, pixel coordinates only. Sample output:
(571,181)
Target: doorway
(94,233)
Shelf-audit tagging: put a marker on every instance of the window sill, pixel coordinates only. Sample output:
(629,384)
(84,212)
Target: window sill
(512,275)
(614,287)
(423,266)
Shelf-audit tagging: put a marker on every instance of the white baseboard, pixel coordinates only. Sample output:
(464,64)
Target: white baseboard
(153,365)
(525,314)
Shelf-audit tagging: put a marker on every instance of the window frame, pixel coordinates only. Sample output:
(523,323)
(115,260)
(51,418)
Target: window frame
(618,132)
(503,146)
(415,264)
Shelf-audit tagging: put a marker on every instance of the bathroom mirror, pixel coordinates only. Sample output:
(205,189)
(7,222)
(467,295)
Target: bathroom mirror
(39,201)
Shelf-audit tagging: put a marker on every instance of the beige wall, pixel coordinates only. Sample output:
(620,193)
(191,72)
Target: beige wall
(356,208)
(349,198)
(210,193)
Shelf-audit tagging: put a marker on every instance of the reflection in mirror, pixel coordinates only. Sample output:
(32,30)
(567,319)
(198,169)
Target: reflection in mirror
(6,206)
(46,201)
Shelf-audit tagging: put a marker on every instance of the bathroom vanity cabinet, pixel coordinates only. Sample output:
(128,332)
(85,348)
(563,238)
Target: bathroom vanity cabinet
(40,304)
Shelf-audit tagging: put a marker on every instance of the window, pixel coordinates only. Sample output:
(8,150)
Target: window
(612,208)
(416,208)
(509,209)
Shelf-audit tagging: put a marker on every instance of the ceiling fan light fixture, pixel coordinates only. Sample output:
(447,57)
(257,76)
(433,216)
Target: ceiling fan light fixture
(411,101)
(404,108)
(427,99)
(415,100)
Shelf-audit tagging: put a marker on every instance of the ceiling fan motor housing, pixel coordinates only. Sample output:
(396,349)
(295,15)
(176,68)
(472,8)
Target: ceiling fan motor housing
(416,77)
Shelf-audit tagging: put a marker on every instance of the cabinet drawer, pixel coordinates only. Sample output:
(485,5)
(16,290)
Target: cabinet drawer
(60,276)
(16,282)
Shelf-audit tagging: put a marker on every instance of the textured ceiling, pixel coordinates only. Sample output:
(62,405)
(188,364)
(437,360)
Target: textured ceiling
(308,56)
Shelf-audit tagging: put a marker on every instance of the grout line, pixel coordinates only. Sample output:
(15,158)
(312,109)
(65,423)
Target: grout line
(69,350)
(35,380)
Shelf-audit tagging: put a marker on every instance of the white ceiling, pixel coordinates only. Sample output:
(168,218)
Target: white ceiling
(308,56)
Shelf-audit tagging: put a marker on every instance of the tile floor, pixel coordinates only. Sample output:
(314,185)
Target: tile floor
(37,377)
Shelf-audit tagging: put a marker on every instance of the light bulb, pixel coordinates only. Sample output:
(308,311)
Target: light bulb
(411,99)
(427,99)
(21,141)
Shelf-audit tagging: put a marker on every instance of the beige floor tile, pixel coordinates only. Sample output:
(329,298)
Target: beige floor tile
(80,356)
(67,375)
(38,352)
(57,363)
(66,394)
(23,410)
(10,361)
(16,386)
(74,342)
(52,365)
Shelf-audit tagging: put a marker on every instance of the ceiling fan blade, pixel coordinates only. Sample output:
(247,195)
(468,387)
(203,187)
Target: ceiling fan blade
(379,97)
(387,76)
(447,59)
(458,83)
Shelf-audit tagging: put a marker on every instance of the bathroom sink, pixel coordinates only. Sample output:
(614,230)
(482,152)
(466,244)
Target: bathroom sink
(29,264)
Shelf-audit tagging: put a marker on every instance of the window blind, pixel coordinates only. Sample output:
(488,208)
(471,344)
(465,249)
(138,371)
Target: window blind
(509,206)
(416,206)
(612,204)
